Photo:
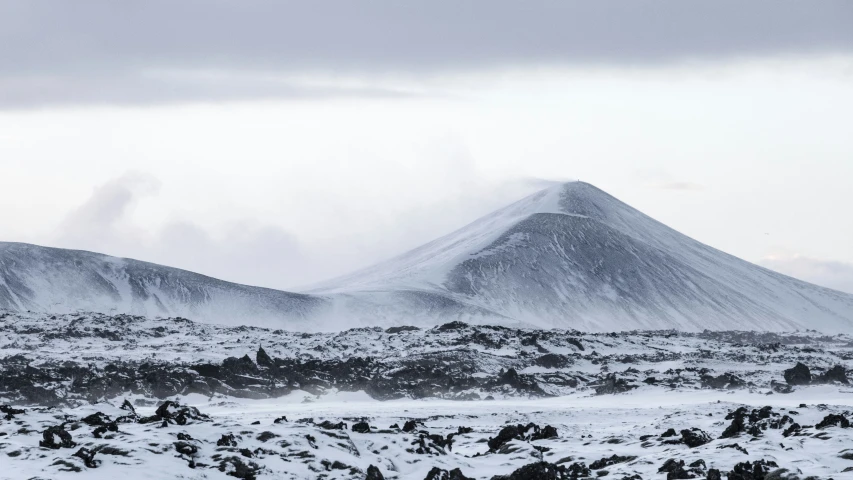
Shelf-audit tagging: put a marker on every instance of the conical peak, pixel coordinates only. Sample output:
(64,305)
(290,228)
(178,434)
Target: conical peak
(580,198)
(572,198)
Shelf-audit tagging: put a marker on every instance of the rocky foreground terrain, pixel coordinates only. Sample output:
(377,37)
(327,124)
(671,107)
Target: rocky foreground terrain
(97,396)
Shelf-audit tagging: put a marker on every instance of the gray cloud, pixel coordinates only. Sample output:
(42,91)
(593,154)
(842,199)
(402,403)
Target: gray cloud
(827,273)
(244,252)
(113,88)
(96,219)
(102,51)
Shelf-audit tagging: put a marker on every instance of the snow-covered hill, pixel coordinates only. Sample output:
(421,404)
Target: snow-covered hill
(58,281)
(570,256)
(574,256)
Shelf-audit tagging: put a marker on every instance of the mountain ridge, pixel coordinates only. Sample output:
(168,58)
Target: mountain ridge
(569,256)
(60,280)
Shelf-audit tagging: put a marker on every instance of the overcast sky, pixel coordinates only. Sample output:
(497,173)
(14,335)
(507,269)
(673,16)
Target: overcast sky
(280,143)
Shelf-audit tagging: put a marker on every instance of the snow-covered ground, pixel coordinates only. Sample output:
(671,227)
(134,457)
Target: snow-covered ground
(605,394)
(588,428)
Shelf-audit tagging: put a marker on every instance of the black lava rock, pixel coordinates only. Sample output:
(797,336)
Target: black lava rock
(694,437)
(88,457)
(56,437)
(756,470)
(263,359)
(186,448)
(97,419)
(236,467)
(361,427)
(373,473)
(513,432)
(438,474)
(410,425)
(608,461)
(537,471)
(798,375)
(834,374)
(834,420)
(611,384)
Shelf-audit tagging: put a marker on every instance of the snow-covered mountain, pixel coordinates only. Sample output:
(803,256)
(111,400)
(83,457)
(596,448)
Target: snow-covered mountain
(570,256)
(574,256)
(58,281)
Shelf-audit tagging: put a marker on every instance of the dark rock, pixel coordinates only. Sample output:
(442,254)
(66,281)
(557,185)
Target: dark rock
(547,432)
(438,474)
(227,440)
(608,461)
(170,411)
(97,419)
(671,465)
(373,473)
(88,457)
(56,437)
(409,426)
(452,326)
(510,377)
(328,425)
(280,419)
(263,359)
(735,446)
(509,433)
(109,427)
(10,412)
(738,425)
(404,328)
(833,420)
(236,467)
(798,375)
(834,374)
(127,406)
(726,381)
(611,385)
(553,360)
(186,448)
(756,470)
(792,430)
(779,387)
(266,436)
(361,427)
(537,471)
(694,437)
(577,470)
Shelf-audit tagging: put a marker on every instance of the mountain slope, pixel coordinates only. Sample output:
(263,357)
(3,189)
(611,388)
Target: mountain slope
(570,256)
(59,281)
(574,256)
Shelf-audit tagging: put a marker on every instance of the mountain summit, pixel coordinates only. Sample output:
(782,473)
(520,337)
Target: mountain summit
(569,256)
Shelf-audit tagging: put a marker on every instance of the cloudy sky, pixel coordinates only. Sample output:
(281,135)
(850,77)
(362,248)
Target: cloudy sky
(278,143)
